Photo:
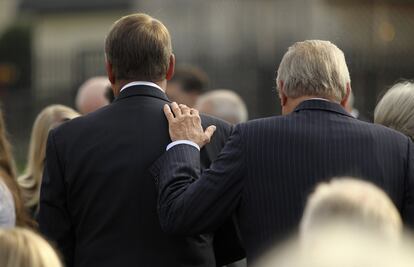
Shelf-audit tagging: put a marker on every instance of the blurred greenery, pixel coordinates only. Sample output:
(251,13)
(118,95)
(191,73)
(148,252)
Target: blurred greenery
(16,53)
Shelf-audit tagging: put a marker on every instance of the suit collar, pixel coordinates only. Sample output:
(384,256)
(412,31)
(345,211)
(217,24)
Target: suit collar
(142,90)
(319,104)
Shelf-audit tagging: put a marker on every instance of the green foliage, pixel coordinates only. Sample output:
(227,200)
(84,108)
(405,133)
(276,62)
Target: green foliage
(15,53)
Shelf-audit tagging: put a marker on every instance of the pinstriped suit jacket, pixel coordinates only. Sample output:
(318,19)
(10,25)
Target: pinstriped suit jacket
(269,166)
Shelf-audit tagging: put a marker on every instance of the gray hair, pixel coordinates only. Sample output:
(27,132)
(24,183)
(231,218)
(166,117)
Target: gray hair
(314,68)
(224,104)
(396,109)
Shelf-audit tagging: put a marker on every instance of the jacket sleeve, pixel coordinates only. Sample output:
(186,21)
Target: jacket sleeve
(190,203)
(54,219)
(227,242)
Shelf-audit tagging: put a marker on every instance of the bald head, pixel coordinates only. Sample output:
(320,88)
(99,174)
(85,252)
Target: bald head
(91,95)
(224,104)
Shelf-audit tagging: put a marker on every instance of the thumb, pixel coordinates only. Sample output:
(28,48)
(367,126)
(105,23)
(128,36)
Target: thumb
(209,133)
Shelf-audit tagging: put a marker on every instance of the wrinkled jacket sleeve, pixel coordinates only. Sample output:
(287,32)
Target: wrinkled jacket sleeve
(193,203)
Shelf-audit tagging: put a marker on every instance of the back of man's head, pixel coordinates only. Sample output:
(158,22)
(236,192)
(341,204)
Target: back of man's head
(91,95)
(314,68)
(191,78)
(224,104)
(139,48)
(187,84)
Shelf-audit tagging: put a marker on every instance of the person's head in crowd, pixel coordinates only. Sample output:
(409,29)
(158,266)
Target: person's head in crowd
(11,194)
(341,246)
(187,84)
(49,118)
(312,69)
(351,202)
(91,95)
(21,247)
(396,109)
(138,48)
(224,104)
(346,222)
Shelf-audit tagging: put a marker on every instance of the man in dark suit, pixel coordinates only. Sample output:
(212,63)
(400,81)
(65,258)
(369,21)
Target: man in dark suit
(268,166)
(98,199)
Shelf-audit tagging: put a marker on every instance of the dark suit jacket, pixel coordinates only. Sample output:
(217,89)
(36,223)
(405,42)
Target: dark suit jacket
(268,167)
(98,199)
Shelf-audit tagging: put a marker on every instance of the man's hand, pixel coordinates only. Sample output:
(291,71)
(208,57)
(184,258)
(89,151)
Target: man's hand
(185,124)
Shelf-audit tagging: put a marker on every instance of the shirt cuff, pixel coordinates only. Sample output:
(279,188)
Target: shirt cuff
(182,142)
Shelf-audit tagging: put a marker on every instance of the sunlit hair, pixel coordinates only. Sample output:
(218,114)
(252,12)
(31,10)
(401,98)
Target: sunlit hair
(49,118)
(351,201)
(396,109)
(23,248)
(339,245)
(314,68)
(8,176)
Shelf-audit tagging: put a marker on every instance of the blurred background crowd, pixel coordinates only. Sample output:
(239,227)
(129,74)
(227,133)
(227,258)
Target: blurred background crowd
(49,48)
(52,70)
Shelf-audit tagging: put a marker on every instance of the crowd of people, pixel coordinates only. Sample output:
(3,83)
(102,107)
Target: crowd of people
(130,178)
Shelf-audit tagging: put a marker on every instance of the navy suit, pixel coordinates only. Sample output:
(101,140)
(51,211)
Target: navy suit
(98,199)
(269,166)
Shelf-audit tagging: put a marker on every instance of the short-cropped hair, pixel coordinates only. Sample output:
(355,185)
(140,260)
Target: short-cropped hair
(139,48)
(314,68)
(396,109)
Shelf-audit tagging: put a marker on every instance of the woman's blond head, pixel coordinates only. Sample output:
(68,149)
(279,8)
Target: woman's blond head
(23,248)
(49,118)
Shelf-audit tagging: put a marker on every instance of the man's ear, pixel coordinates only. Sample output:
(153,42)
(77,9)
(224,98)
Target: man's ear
(171,68)
(345,99)
(282,94)
(110,72)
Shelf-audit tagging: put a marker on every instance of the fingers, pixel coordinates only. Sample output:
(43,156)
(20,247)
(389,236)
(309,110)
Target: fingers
(176,109)
(185,110)
(194,112)
(168,113)
(209,133)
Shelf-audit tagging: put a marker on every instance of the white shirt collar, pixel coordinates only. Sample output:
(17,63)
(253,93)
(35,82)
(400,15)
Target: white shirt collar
(318,98)
(355,113)
(141,83)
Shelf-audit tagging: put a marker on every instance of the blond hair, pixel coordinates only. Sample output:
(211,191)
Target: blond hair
(8,176)
(396,109)
(351,201)
(49,118)
(314,68)
(20,247)
(139,48)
